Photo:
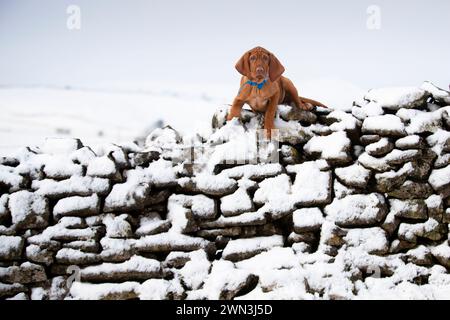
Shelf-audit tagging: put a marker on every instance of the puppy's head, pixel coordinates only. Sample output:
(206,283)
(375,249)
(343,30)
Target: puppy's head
(259,64)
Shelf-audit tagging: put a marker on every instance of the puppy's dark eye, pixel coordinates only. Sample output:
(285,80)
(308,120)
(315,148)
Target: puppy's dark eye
(253,58)
(265,58)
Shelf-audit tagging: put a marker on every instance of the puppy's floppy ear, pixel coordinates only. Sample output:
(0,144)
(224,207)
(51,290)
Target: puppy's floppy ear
(276,69)
(243,65)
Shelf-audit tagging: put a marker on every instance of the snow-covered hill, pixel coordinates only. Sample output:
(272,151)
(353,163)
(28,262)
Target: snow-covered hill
(122,113)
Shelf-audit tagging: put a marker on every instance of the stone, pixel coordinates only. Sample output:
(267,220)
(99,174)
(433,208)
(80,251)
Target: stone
(25,273)
(28,210)
(421,121)
(357,210)
(8,290)
(224,282)
(77,206)
(184,211)
(421,256)
(256,172)
(341,191)
(372,240)
(289,155)
(213,185)
(38,254)
(400,97)
(411,190)
(385,125)
(354,175)
(11,247)
(332,235)
(151,223)
(409,209)
(435,207)
(244,219)
(136,268)
(312,186)
(380,148)
(440,96)
(144,158)
(117,226)
(240,249)
(440,181)
(307,220)
(306,237)
(400,246)
(104,291)
(76,257)
(442,254)
(161,289)
(334,148)
(290,113)
(74,186)
(170,241)
(389,180)
(236,203)
(4,211)
(367,139)
(104,167)
(54,146)
(127,197)
(431,229)
(91,246)
(410,142)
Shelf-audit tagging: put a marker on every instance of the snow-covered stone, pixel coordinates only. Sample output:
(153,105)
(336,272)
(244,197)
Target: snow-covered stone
(312,185)
(74,186)
(409,142)
(354,175)
(117,226)
(77,206)
(28,209)
(357,210)
(11,247)
(103,167)
(25,273)
(398,97)
(385,125)
(241,249)
(60,145)
(215,185)
(380,148)
(223,282)
(334,147)
(136,268)
(387,181)
(236,203)
(408,209)
(307,219)
(440,180)
(373,240)
(430,229)
(441,96)
(151,223)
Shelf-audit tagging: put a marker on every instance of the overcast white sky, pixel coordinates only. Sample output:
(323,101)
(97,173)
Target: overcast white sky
(200,40)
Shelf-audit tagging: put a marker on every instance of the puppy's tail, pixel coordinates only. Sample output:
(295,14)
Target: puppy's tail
(312,102)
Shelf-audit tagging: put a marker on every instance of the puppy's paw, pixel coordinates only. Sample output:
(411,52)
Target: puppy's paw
(307,107)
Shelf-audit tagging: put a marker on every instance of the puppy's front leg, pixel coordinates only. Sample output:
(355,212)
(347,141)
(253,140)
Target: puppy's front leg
(235,111)
(270,115)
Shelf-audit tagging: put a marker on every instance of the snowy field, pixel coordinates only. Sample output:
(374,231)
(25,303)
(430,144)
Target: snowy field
(123,113)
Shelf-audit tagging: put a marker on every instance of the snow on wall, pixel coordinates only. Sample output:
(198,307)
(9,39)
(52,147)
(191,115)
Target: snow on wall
(343,205)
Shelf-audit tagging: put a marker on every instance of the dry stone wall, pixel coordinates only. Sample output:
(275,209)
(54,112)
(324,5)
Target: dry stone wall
(344,204)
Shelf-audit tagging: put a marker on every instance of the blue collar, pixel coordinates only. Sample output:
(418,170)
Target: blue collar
(256,84)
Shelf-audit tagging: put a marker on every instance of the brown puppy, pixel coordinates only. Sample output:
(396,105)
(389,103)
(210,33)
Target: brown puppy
(263,87)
